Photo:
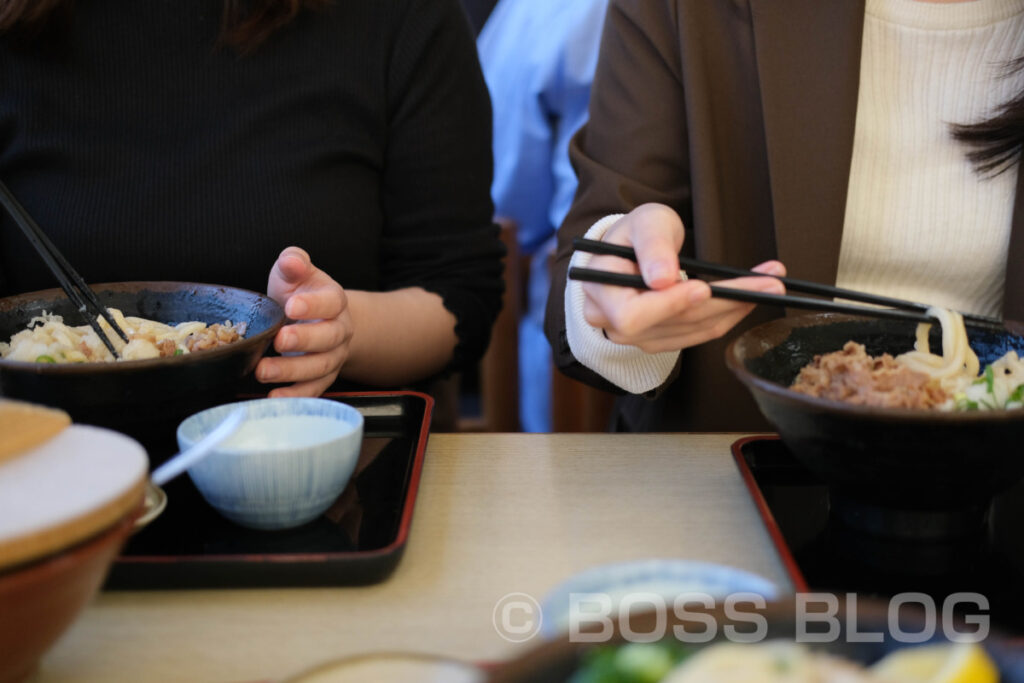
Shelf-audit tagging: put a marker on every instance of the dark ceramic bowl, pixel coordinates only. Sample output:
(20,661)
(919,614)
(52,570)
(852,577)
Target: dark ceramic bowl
(143,398)
(558,660)
(896,458)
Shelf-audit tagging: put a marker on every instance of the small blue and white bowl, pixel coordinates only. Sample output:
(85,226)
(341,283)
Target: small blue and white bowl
(665,579)
(285,465)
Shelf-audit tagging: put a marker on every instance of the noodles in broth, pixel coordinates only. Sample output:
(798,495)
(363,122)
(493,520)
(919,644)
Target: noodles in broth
(957,365)
(950,380)
(47,339)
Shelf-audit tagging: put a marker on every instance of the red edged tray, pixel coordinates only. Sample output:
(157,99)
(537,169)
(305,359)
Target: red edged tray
(820,553)
(741,452)
(358,541)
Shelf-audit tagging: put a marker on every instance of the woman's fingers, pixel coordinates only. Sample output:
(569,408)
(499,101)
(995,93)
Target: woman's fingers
(631,312)
(312,388)
(682,315)
(302,368)
(776,268)
(681,335)
(676,337)
(321,301)
(316,349)
(673,313)
(293,265)
(292,268)
(657,236)
(306,292)
(312,337)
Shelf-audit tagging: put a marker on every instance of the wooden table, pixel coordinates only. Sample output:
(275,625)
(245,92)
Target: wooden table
(497,513)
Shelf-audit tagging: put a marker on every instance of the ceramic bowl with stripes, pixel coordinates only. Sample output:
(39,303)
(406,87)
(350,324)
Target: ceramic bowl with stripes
(285,465)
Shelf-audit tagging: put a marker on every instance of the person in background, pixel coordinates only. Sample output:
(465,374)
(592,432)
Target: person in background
(873,144)
(538,58)
(343,148)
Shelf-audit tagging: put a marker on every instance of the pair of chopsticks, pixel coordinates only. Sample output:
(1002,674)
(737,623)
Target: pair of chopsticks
(70,281)
(898,308)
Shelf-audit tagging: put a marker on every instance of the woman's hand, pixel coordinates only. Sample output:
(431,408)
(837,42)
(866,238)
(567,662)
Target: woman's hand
(322,336)
(675,313)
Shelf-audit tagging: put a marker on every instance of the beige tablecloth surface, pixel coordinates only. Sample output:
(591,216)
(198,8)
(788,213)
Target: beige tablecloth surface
(496,514)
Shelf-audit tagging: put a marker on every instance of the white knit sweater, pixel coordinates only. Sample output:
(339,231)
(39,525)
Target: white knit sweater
(920,223)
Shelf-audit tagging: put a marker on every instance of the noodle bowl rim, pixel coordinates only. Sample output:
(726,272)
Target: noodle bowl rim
(159,286)
(843,408)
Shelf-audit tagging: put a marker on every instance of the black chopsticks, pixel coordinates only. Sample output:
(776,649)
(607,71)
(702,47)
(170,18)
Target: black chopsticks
(72,283)
(899,309)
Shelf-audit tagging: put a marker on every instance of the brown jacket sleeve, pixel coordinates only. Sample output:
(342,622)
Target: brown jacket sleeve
(632,151)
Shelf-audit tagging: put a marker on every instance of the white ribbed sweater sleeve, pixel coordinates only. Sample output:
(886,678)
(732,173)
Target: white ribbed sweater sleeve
(627,367)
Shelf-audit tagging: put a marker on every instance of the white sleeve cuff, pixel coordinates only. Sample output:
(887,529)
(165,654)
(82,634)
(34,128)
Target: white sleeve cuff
(627,367)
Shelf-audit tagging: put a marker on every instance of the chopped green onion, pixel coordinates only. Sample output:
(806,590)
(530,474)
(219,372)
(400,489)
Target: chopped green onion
(631,663)
(45,359)
(966,404)
(643,662)
(179,352)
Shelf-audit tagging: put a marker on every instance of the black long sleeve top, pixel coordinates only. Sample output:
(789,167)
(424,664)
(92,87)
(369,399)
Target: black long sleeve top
(360,133)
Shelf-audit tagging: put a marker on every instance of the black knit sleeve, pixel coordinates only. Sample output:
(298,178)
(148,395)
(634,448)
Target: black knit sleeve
(439,232)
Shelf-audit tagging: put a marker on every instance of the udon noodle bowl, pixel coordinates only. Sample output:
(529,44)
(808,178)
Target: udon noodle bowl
(780,661)
(950,380)
(47,339)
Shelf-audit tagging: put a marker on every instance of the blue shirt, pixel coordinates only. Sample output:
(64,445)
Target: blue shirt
(538,58)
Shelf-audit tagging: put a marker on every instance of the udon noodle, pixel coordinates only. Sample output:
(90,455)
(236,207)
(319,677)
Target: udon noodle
(49,340)
(1001,385)
(949,380)
(958,365)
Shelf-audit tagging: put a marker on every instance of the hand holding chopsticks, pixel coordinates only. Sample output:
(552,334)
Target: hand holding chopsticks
(898,308)
(678,313)
(72,283)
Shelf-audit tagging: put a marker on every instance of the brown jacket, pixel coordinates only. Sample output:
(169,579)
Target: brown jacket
(740,115)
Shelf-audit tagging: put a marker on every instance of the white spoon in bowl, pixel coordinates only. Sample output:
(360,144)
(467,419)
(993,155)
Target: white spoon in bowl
(182,461)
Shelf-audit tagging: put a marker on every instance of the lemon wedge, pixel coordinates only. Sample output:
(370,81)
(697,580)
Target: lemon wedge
(946,663)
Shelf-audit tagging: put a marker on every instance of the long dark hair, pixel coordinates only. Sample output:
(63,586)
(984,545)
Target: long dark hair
(996,144)
(245,24)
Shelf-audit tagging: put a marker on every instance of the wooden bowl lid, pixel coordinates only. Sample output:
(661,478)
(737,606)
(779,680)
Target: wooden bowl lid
(25,425)
(67,489)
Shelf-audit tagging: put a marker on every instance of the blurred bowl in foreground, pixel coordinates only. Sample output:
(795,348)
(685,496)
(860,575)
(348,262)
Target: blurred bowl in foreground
(860,631)
(396,667)
(40,601)
(655,579)
(66,508)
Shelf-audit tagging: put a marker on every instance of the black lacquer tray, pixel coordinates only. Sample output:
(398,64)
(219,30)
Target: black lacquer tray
(821,552)
(359,540)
